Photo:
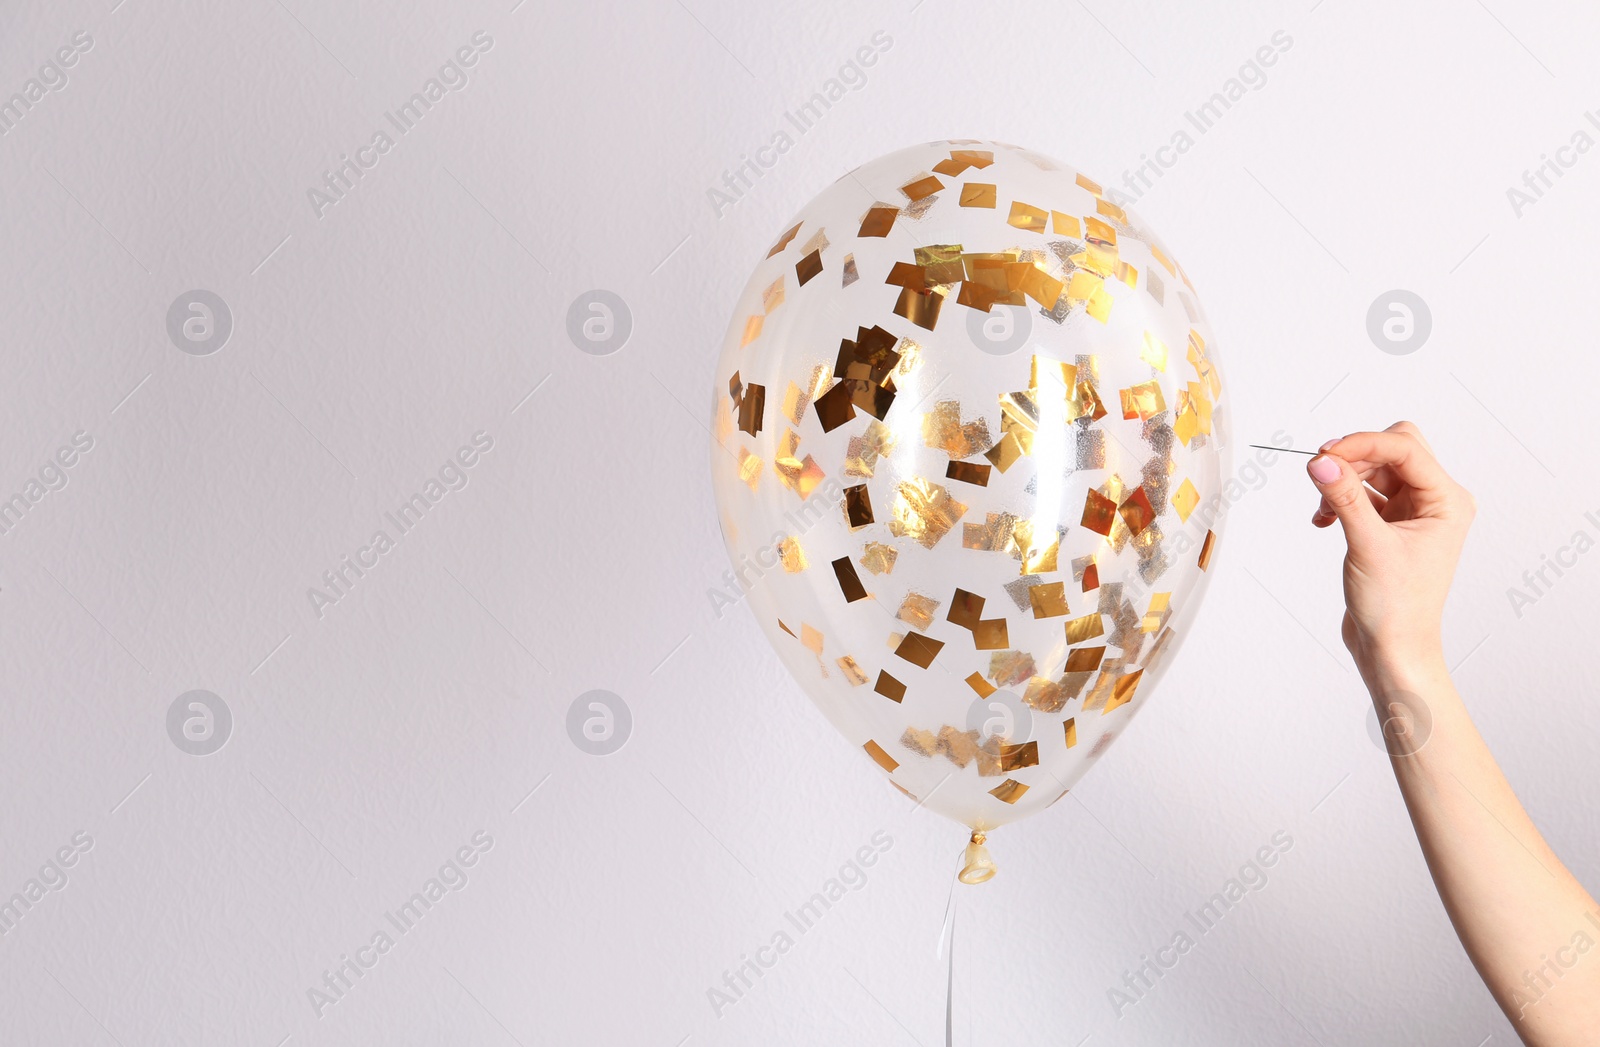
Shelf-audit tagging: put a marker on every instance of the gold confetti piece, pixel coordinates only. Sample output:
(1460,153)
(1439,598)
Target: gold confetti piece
(1085,403)
(1085,628)
(772,296)
(861,458)
(749,468)
(1049,601)
(1156,616)
(990,635)
(857,506)
(889,687)
(1099,305)
(793,557)
(1009,668)
(980,685)
(783,241)
(923,511)
(1066,225)
(1090,184)
(922,187)
(812,639)
(879,558)
(1085,659)
(979,158)
(904,274)
(800,477)
(852,671)
(808,267)
(752,330)
(1044,694)
(1027,217)
(1202,364)
(978,194)
(1098,231)
(1071,727)
(942,263)
(1042,561)
(942,428)
(1143,401)
(1111,211)
(1166,263)
(850,273)
(965,609)
(878,221)
(1091,577)
(1008,791)
(751,407)
(789,445)
(834,407)
(1099,512)
(951,167)
(968,472)
(881,758)
(919,650)
(1004,454)
(1185,499)
(918,609)
(785,628)
(1136,511)
(1122,691)
(1206,548)
(1016,757)
(849,581)
(1082,286)
(920,307)
(923,743)
(795,402)
(1154,352)
(818,242)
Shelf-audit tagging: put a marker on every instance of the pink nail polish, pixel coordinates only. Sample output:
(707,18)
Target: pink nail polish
(1329,444)
(1323,469)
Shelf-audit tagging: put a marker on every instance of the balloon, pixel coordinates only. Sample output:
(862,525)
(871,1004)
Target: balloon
(969,447)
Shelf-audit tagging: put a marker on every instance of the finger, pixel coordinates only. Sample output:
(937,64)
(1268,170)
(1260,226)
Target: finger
(1346,496)
(1404,456)
(1324,514)
(1411,427)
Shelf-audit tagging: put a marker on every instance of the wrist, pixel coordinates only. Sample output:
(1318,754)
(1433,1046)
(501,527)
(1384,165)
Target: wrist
(1411,667)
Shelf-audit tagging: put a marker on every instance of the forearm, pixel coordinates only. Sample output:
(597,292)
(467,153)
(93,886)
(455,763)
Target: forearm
(1525,922)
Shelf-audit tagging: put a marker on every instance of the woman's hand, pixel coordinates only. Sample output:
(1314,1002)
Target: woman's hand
(1404,533)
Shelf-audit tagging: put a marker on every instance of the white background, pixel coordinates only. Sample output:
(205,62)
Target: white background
(370,743)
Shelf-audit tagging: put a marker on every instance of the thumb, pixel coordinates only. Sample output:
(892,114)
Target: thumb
(1344,493)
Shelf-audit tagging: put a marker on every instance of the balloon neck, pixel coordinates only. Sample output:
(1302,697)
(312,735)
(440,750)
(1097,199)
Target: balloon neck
(977,866)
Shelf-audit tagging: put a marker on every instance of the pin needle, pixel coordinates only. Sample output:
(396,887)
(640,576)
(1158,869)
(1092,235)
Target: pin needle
(1287,450)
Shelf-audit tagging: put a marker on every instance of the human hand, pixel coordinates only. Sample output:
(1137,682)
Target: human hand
(1404,534)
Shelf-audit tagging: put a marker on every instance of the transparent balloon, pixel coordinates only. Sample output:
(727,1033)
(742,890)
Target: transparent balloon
(969,448)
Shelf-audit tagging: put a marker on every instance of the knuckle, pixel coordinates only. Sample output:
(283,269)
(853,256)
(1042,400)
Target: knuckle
(1343,496)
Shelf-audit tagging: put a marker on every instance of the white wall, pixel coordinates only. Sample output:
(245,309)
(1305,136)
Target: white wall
(369,743)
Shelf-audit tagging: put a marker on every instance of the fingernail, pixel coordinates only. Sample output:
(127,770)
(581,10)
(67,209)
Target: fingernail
(1329,444)
(1323,469)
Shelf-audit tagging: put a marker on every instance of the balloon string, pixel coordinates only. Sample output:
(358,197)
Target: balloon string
(948,932)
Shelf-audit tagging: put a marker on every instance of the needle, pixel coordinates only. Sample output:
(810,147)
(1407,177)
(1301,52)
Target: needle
(1286,450)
